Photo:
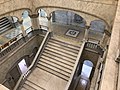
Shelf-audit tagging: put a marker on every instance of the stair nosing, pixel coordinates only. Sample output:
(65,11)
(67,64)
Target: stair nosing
(64,42)
(55,63)
(55,70)
(28,85)
(35,84)
(54,73)
(64,46)
(72,61)
(60,50)
(54,67)
(59,60)
(62,54)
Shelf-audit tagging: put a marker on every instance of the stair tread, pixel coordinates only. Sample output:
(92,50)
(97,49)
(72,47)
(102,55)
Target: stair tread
(3,24)
(32,86)
(55,65)
(55,69)
(5,27)
(63,47)
(60,53)
(64,43)
(58,62)
(28,86)
(4,20)
(23,88)
(55,55)
(62,50)
(45,80)
(58,74)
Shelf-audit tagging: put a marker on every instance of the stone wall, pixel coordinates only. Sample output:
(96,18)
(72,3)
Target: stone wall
(103,9)
(25,49)
(99,9)
(110,73)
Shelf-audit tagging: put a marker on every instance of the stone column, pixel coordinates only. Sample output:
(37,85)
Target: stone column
(35,21)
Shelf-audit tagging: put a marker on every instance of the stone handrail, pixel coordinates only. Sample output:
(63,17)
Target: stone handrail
(75,66)
(95,47)
(33,62)
(19,39)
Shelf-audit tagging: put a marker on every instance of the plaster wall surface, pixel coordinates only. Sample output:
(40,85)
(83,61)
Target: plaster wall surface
(109,79)
(104,9)
(99,9)
(9,61)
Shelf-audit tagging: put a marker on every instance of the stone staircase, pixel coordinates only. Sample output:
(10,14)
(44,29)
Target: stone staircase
(54,67)
(5,25)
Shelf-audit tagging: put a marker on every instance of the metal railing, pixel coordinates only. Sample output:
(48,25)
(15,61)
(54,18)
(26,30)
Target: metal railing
(33,62)
(94,47)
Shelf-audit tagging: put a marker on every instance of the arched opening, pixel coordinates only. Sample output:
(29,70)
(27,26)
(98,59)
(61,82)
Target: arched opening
(97,30)
(68,18)
(15,19)
(98,26)
(27,24)
(43,20)
(67,25)
(87,68)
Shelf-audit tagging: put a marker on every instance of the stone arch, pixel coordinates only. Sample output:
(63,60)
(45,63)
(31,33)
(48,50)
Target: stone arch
(68,17)
(42,13)
(15,19)
(16,12)
(43,19)
(85,15)
(98,25)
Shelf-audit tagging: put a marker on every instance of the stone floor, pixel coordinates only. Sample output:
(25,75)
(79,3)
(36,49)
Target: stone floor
(59,31)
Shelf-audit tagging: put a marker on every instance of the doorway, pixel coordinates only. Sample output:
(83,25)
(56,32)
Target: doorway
(22,66)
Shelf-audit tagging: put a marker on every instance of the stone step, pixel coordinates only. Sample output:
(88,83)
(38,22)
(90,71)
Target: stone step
(56,55)
(4,24)
(3,21)
(29,85)
(64,54)
(57,73)
(53,40)
(7,27)
(23,88)
(62,50)
(58,69)
(61,67)
(63,47)
(58,62)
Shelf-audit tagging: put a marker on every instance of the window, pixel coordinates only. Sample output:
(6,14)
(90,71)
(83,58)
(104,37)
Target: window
(22,66)
(27,24)
(87,68)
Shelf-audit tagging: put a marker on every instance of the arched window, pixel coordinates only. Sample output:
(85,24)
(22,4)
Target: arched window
(97,25)
(87,68)
(26,21)
(68,18)
(43,21)
(42,13)
(15,19)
